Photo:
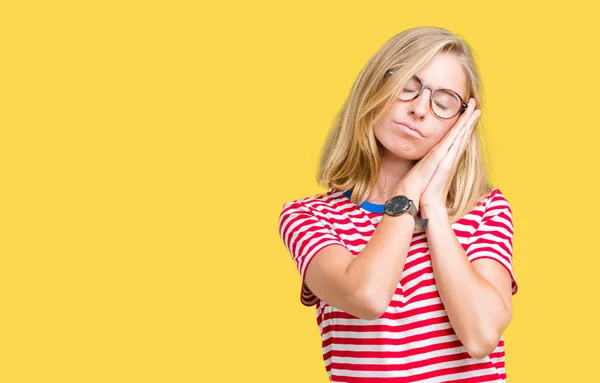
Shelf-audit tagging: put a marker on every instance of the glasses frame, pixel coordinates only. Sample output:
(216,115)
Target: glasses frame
(463,105)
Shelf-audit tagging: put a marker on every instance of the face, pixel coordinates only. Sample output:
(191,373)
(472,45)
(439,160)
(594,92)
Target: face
(442,71)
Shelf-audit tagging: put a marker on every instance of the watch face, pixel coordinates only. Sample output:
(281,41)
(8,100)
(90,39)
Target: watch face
(396,205)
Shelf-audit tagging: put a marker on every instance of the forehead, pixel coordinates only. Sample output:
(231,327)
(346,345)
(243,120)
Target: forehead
(444,71)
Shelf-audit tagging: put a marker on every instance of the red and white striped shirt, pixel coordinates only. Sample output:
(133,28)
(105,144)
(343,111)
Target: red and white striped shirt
(413,341)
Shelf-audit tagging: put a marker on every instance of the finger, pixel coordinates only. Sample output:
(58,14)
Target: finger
(447,163)
(463,119)
(461,143)
(429,166)
(436,157)
(472,125)
(456,130)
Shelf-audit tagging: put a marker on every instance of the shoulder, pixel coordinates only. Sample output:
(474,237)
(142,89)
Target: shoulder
(495,202)
(314,202)
(495,210)
(491,204)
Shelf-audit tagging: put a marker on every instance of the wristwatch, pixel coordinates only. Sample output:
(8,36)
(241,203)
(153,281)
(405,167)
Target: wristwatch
(400,204)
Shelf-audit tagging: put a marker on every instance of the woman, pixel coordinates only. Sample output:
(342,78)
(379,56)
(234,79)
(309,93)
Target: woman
(408,256)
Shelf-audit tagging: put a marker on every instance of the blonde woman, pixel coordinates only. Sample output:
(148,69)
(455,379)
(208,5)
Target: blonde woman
(407,257)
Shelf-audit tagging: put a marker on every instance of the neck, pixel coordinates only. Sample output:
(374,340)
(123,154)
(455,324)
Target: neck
(392,170)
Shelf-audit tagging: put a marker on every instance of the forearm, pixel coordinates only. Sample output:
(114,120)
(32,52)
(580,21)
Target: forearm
(377,268)
(476,310)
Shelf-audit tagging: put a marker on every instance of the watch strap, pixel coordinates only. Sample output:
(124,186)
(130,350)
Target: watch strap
(420,224)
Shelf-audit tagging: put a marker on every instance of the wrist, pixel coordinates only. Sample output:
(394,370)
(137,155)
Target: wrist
(435,211)
(411,195)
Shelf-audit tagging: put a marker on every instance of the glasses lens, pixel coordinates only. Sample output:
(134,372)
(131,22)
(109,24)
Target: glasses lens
(410,90)
(445,103)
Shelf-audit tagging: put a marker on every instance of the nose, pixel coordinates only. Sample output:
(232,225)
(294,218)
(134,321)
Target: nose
(420,105)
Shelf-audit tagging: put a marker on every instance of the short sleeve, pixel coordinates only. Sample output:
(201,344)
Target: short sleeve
(493,238)
(304,234)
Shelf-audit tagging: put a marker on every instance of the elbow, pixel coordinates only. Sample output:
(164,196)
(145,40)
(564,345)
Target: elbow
(372,305)
(483,345)
(371,312)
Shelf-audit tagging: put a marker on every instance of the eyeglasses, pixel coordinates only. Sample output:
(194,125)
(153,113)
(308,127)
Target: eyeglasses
(444,103)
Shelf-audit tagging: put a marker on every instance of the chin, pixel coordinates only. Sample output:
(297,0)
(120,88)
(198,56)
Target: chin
(410,154)
(411,157)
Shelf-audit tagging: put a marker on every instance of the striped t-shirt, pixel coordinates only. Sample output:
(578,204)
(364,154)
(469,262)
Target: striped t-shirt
(413,341)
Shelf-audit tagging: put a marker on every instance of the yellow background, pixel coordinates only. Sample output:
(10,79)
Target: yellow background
(147,148)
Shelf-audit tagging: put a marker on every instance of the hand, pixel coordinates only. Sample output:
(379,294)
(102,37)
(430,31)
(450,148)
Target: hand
(435,193)
(418,178)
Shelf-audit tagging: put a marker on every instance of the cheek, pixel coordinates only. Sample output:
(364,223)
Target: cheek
(436,136)
(414,150)
(441,131)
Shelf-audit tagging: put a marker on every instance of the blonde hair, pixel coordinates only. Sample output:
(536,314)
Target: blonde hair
(351,157)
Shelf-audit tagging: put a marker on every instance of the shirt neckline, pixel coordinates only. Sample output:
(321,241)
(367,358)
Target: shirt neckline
(366,205)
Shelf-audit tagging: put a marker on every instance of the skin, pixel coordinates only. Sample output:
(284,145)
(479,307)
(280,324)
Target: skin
(402,151)
(476,295)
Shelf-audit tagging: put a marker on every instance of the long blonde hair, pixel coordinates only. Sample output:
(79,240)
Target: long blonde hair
(351,157)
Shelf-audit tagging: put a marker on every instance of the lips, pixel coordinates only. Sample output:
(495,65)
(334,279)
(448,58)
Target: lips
(409,126)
